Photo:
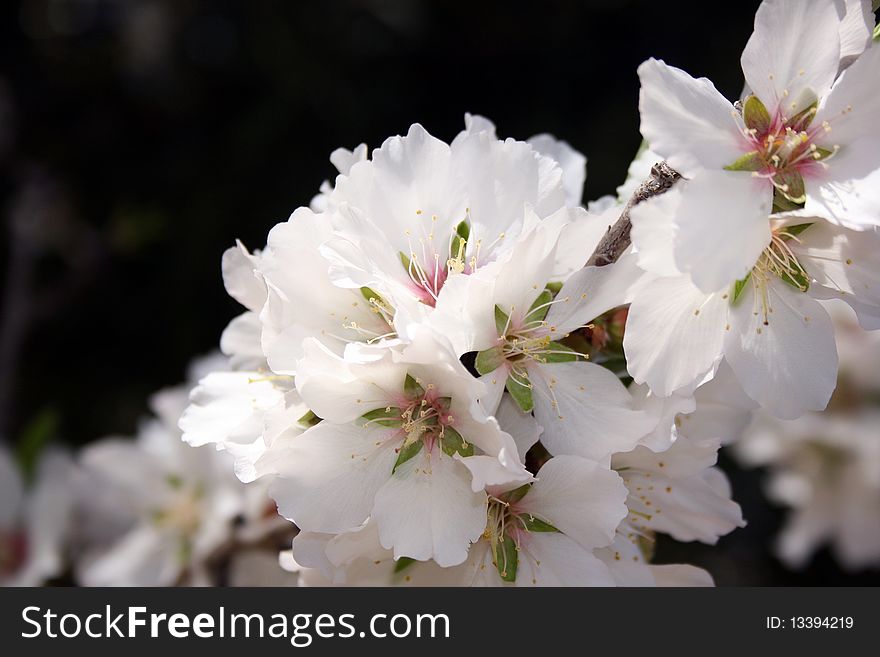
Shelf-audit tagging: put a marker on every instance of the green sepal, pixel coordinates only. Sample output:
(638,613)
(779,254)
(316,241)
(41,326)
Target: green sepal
(535,315)
(368,293)
(782,204)
(489,360)
(406,453)
(751,161)
(412,388)
(402,564)
(554,287)
(453,442)
(755,115)
(738,288)
(797,278)
(309,419)
(515,495)
(795,230)
(533,524)
(404,260)
(794,182)
(521,391)
(802,120)
(568,357)
(501,321)
(386,417)
(506,558)
(823,153)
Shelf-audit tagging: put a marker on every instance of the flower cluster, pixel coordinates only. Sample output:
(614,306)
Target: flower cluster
(450,372)
(436,380)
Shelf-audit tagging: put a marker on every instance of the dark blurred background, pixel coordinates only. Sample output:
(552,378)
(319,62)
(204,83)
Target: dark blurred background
(139,138)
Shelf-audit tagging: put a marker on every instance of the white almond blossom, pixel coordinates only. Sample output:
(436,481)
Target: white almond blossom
(402,428)
(420,213)
(35,518)
(804,137)
(768,327)
(155,510)
(538,534)
(511,318)
(827,469)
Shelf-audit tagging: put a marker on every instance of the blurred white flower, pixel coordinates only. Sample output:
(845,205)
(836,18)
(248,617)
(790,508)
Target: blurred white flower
(35,519)
(156,511)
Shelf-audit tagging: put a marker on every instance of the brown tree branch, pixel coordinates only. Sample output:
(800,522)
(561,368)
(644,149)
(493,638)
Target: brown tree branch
(616,238)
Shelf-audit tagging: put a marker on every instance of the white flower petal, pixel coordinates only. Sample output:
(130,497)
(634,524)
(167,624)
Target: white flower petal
(331,474)
(427,510)
(585,410)
(594,290)
(580,498)
(553,559)
(794,49)
(789,364)
(686,121)
(721,227)
(674,334)
(240,276)
(573,164)
(846,264)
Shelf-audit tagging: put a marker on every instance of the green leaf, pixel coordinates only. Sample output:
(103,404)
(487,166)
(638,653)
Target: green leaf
(36,434)
(309,419)
(386,417)
(515,495)
(738,288)
(535,315)
(755,115)
(402,564)
(501,321)
(463,230)
(452,442)
(406,453)
(412,388)
(534,524)
(521,390)
(751,161)
(554,287)
(876,27)
(791,185)
(568,357)
(506,558)
(490,360)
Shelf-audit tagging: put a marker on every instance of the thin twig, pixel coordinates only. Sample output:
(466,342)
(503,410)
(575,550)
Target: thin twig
(616,239)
